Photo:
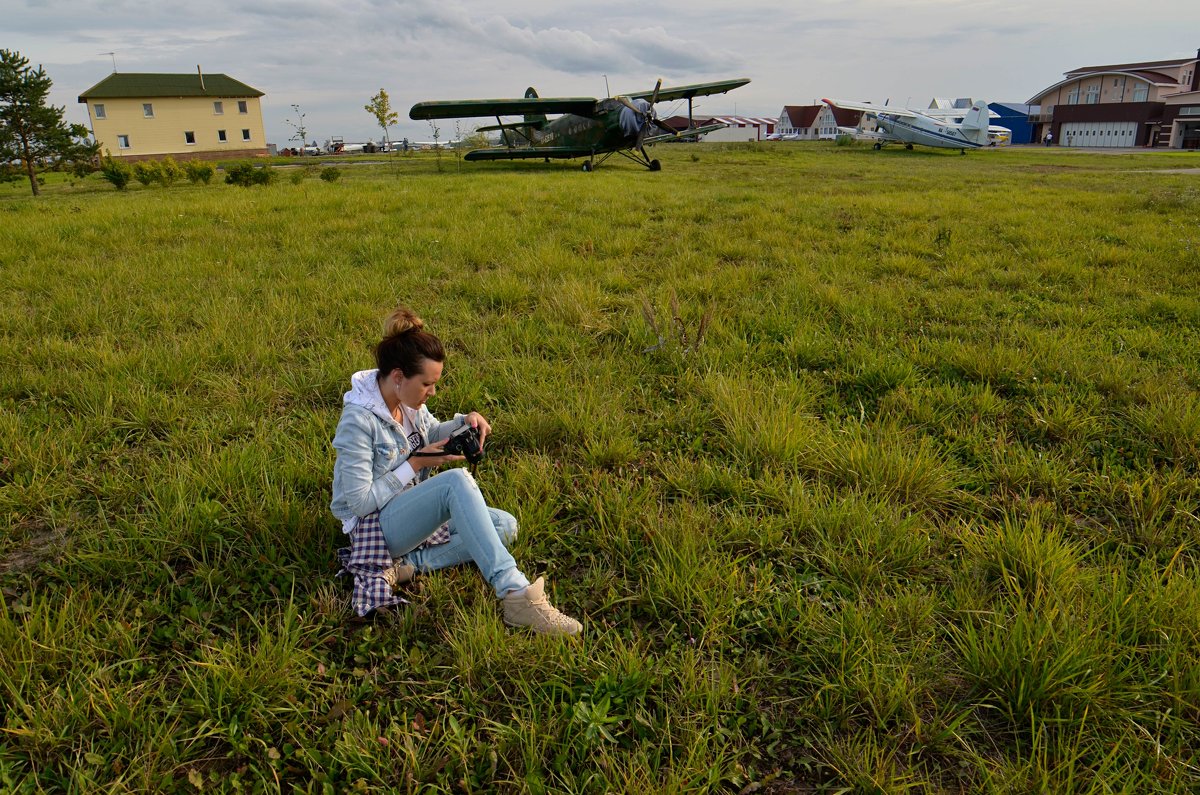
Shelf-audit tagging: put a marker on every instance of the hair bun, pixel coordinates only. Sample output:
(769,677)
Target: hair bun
(402,321)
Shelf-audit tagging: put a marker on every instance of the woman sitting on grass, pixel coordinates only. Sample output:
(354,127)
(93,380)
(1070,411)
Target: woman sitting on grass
(400,518)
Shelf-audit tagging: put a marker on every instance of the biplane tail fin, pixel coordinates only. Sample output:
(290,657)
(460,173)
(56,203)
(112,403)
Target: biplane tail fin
(535,120)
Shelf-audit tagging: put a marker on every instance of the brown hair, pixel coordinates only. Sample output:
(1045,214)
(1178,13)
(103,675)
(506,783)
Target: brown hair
(406,345)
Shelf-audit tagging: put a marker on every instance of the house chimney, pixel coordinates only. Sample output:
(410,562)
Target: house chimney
(201,77)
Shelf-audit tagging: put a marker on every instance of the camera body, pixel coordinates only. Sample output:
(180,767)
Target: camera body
(465,442)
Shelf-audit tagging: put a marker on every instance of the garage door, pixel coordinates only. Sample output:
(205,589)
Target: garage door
(1098,133)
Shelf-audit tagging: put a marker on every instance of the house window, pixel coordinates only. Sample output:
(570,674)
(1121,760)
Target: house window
(245,135)
(1073,97)
(218,108)
(1140,93)
(1093,95)
(189,137)
(98,109)
(221,136)
(242,106)
(122,141)
(148,110)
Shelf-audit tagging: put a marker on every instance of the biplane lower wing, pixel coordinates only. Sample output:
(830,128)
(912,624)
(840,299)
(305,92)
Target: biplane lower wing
(529,153)
(518,126)
(701,130)
(694,90)
(467,108)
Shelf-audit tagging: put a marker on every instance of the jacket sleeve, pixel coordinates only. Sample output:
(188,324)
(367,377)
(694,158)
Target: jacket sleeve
(440,430)
(353,478)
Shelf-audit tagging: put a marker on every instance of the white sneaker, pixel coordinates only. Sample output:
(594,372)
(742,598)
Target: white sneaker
(400,572)
(532,609)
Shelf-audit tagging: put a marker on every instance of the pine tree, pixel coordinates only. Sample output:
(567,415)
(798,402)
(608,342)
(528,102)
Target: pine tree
(32,132)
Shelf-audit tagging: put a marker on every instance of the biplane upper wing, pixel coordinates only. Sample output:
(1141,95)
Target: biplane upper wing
(528,153)
(867,107)
(467,108)
(694,90)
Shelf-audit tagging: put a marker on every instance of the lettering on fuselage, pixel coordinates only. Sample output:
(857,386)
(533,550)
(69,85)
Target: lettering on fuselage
(566,128)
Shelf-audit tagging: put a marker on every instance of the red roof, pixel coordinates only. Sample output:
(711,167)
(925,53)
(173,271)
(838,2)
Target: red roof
(802,115)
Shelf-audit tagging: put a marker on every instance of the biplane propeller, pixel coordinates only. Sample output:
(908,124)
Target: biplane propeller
(590,128)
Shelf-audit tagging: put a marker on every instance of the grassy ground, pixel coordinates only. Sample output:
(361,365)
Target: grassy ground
(917,512)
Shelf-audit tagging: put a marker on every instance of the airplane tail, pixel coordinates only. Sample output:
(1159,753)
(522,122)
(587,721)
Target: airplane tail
(975,123)
(534,120)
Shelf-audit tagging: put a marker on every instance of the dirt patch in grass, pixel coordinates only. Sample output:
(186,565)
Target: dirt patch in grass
(41,543)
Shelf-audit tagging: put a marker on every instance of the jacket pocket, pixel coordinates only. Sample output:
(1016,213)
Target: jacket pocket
(385,458)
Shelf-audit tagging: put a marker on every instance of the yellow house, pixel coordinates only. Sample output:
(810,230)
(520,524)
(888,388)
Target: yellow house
(143,116)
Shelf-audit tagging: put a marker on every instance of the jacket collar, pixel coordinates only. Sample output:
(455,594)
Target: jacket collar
(364,392)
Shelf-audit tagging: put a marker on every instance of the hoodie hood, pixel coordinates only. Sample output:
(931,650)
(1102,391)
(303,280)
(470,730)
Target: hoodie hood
(364,392)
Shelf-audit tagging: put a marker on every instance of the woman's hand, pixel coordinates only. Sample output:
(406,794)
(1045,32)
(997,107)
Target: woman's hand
(432,456)
(476,421)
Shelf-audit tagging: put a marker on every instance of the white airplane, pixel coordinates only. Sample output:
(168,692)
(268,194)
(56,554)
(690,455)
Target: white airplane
(960,129)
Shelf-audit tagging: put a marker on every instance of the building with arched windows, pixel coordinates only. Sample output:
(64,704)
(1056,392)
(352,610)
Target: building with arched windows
(1149,103)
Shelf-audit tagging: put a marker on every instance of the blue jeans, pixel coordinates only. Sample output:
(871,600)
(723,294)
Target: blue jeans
(477,533)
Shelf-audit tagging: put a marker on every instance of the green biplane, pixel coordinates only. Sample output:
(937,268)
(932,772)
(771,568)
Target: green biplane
(592,128)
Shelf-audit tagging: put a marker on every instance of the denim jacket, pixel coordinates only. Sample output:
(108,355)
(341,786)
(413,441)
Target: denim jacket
(371,449)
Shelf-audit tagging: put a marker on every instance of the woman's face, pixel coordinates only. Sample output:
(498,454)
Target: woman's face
(420,387)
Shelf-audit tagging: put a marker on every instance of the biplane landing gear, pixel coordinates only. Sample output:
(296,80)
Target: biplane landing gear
(655,165)
(877,146)
(587,165)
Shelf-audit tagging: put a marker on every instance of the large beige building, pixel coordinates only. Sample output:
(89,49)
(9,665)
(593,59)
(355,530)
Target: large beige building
(140,116)
(1148,103)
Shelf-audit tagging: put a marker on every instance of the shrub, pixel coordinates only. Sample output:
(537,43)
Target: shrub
(198,171)
(169,172)
(81,168)
(145,171)
(247,174)
(844,140)
(330,174)
(116,171)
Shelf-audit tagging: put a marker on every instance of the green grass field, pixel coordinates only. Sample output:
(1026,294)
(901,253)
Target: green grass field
(917,512)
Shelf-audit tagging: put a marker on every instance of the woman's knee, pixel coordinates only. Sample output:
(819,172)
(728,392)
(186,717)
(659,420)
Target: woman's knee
(459,478)
(506,527)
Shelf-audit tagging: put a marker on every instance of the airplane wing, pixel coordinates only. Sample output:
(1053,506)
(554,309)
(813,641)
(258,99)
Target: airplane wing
(866,135)
(867,107)
(695,90)
(528,153)
(466,108)
(707,128)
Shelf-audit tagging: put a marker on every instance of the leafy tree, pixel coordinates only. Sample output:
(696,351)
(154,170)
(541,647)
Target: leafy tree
(381,108)
(33,133)
(298,126)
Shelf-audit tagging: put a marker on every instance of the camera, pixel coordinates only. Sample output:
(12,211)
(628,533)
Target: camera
(465,442)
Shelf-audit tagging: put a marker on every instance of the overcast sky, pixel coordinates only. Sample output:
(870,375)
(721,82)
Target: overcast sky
(330,57)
